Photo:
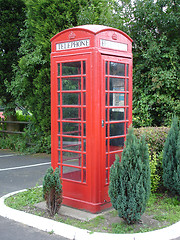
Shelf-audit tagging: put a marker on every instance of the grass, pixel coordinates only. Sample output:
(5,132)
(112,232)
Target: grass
(164,208)
(161,207)
(26,198)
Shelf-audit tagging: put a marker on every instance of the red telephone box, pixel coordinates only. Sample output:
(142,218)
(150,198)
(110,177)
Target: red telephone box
(91,110)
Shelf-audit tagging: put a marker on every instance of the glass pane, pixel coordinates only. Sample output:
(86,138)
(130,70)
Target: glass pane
(116,114)
(107,128)
(71,98)
(84,127)
(127,111)
(71,173)
(84,175)
(84,83)
(59,113)
(112,157)
(72,144)
(127,99)
(84,99)
(107,104)
(107,142)
(71,68)
(127,70)
(107,176)
(117,84)
(116,99)
(84,145)
(84,160)
(84,114)
(84,67)
(59,142)
(71,83)
(58,84)
(107,114)
(58,69)
(107,161)
(58,127)
(116,129)
(58,98)
(59,157)
(106,83)
(106,68)
(127,128)
(71,128)
(71,158)
(116,144)
(127,85)
(117,69)
(71,113)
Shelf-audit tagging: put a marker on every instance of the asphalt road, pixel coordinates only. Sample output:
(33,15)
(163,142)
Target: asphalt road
(18,172)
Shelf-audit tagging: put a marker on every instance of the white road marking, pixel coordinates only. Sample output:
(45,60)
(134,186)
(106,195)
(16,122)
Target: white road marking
(28,166)
(8,155)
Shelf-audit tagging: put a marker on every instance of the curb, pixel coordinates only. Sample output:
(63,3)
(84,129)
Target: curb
(75,233)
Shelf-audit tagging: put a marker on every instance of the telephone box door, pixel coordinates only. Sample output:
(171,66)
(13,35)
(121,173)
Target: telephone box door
(116,109)
(69,116)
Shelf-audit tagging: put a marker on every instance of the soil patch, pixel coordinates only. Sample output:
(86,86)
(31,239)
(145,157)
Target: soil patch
(107,221)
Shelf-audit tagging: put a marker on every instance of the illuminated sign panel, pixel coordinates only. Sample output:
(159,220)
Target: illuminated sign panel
(113,45)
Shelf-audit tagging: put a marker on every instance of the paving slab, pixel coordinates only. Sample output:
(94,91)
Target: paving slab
(72,212)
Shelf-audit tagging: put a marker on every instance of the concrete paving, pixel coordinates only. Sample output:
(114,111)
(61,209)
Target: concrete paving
(9,228)
(74,213)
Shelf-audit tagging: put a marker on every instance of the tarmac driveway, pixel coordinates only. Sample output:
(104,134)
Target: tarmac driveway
(18,172)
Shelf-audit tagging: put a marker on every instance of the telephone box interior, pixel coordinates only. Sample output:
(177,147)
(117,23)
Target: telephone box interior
(91,110)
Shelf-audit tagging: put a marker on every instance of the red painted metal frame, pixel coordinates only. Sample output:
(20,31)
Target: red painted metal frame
(91,191)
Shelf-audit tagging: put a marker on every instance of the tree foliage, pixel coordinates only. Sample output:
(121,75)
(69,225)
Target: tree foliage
(129,186)
(154,26)
(171,158)
(31,86)
(11,22)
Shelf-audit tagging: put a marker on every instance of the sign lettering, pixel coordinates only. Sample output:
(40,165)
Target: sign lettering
(73,45)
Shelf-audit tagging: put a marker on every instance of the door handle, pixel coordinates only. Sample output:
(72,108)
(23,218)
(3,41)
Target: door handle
(102,123)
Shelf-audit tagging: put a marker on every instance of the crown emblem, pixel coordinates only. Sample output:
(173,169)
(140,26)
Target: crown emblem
(114,36)
(72,35)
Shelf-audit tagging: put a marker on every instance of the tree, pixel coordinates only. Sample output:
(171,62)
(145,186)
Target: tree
(11,22)
(129,186)
(154,26)
(31,86)
(171,158)
(108,13)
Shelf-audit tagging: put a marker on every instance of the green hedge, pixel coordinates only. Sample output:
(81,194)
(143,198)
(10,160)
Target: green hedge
(155,137)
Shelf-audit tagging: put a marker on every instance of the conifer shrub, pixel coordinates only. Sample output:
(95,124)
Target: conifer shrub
(129,187)
(52,190)
(171,158)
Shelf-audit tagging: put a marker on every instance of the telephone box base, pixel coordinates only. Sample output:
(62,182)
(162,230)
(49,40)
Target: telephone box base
(87,206)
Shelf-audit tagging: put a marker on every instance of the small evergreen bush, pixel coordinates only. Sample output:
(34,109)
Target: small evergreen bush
(129,187)
(52,190)
(171,158)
